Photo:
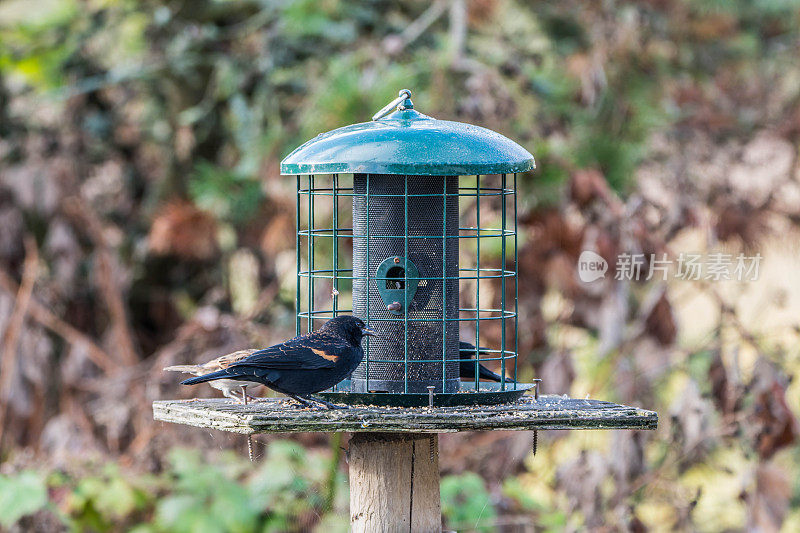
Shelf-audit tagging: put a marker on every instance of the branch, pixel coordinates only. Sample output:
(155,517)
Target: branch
(112,295)
(46,318)
(8,355)
(394,44)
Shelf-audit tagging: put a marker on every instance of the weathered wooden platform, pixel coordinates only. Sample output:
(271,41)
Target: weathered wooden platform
(279,415)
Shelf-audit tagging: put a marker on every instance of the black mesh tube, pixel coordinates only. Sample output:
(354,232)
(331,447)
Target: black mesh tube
(427,216)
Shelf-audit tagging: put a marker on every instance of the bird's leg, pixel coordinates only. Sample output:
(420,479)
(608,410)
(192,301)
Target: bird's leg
(327,404)
(244,395)
(301,400)
(310,401)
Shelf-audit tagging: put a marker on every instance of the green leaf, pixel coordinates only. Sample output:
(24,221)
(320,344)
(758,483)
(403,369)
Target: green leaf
(466,504)
(118,499)
(177,513)
(233,510)
(20,496)
(230,196)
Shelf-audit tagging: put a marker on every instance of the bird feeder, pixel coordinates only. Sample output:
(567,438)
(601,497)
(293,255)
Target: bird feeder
(415,219)
(430,209)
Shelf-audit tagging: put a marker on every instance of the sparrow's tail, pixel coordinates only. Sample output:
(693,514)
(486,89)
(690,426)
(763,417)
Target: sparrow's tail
(219,374)
(189,369)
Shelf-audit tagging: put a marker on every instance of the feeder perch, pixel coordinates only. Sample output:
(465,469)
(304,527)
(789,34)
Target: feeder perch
(418,219)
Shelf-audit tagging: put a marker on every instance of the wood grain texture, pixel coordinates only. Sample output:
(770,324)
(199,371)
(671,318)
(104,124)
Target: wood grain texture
(394,483)
(278,415)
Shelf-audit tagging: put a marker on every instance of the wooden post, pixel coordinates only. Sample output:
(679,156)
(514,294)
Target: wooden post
(394,482)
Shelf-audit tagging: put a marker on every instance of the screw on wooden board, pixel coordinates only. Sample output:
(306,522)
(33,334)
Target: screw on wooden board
(249,437)
(536,431)
(431,444)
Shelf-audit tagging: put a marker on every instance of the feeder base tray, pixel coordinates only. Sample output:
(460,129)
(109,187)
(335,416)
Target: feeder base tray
(281,415)
(487,394)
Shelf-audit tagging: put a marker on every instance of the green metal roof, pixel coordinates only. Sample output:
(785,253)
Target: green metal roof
(408,142)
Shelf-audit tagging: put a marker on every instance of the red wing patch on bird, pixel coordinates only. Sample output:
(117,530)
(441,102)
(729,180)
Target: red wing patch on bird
(325,355)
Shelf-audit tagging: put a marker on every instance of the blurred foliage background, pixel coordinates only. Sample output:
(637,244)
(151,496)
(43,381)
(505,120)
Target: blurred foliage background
(143,223)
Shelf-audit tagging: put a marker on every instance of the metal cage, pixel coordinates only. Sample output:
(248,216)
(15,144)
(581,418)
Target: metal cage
(421,250)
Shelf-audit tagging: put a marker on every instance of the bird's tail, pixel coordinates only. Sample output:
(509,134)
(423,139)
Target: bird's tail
(485,373)
(189,369)
(219,374)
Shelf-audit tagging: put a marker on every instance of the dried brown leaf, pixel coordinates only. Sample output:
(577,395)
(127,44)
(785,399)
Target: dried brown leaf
(768,503)
(183,230)
(660,321)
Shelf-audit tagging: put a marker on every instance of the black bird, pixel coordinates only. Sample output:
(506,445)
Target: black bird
(467,367)
(304,365)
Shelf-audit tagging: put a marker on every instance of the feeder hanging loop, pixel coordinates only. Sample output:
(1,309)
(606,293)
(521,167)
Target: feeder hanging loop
(398,102)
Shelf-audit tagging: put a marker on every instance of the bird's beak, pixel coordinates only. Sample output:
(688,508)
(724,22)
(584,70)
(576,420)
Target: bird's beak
(368,331)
